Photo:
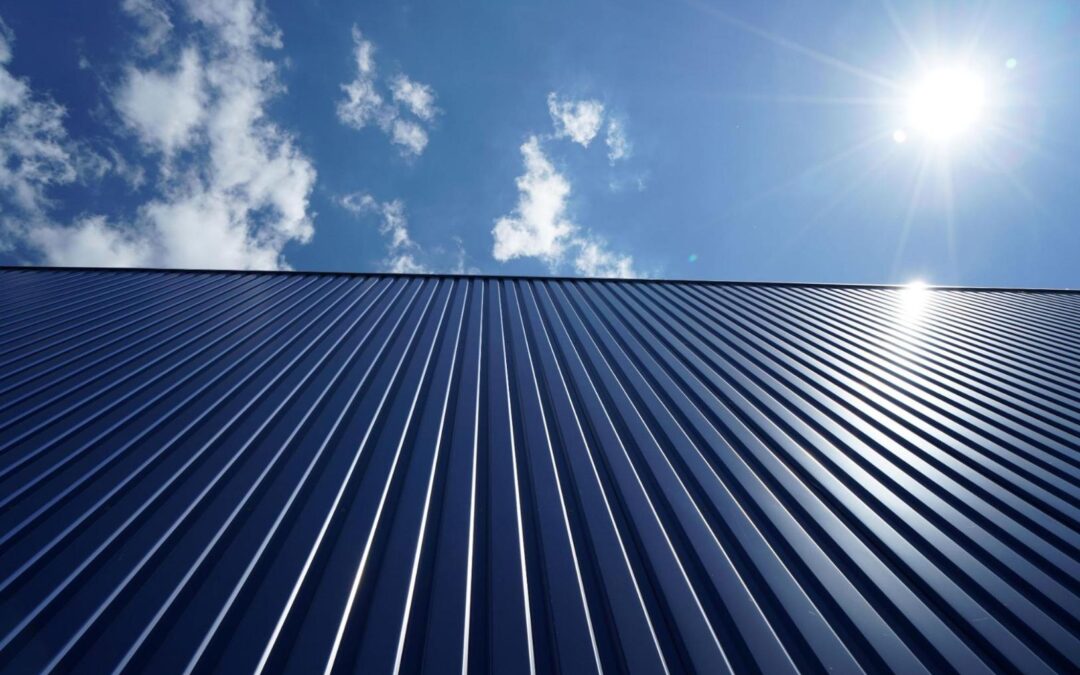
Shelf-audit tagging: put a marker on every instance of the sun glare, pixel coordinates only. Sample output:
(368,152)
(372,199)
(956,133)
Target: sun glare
(947,103)
(913,297)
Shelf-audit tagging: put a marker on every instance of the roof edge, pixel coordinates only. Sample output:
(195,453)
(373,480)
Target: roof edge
(718,282)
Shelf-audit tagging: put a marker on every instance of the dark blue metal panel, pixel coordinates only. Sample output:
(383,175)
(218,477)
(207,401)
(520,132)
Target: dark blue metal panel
(258,472)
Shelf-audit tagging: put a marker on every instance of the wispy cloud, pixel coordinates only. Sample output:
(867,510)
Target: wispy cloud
(580,121)
(154,22)
(409,135)
(401,250)
(36,152)
(364,104)
(418,98)
(539,226)
(617,144)
(232,187)
(594,259)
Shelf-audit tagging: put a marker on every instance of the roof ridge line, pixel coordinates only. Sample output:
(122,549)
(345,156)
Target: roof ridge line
(527,277)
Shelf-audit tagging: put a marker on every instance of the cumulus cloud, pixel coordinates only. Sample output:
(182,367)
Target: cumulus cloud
(401,250)
(91,242)
(165,107)
(237,194)
(539,226)
(364,104)
(580,121)
(617,144)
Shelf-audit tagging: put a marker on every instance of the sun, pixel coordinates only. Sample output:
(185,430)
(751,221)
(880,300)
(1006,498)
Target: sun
(946,104)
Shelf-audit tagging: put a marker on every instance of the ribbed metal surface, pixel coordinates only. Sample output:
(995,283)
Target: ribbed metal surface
(263,472)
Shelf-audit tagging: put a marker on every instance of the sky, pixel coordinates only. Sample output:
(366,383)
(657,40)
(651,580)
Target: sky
(828,141)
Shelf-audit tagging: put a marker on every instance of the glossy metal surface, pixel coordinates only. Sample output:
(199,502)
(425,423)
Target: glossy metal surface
(240,472)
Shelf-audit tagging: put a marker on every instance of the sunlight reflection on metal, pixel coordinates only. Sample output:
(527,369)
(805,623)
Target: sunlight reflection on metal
(913,299)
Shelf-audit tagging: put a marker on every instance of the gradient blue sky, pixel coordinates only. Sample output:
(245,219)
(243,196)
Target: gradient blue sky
(758,138)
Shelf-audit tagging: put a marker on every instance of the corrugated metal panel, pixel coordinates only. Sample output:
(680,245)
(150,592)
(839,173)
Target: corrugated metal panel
(265,472)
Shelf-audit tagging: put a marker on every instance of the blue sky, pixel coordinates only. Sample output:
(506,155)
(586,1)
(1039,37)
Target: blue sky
(723,140)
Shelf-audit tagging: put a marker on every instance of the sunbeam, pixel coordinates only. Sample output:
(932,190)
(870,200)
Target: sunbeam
(870,101)
(902,32)
(913,203)
(842,195)
(790,45)
(832,160)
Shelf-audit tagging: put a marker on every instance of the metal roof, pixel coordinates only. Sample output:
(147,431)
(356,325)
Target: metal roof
(241,472)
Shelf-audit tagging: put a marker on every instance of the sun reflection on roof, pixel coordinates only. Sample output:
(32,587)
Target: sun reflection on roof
(913,300)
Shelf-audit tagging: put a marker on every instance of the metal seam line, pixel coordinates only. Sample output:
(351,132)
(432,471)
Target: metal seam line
(517,490)
(362,566)
(472,488)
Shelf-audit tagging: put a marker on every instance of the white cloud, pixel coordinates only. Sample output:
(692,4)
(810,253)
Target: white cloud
(539,226)
(239,205)
(461,265)
(615,139)
(90,242)
(165,108)
(36,155)
(153,20)
(238,24)
(595,260)
(238,194)
(404,263)
(364,53)
(419,98)
(6,40)
(410,136)
(401,250)
(579,121)
(35,151)
(364,104)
